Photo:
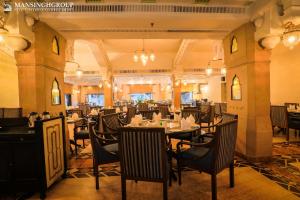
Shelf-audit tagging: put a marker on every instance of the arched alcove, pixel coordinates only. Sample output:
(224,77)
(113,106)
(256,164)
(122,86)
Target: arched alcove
(236,90)
(55,93)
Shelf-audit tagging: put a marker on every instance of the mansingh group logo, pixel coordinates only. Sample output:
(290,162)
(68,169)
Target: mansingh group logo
(7,7)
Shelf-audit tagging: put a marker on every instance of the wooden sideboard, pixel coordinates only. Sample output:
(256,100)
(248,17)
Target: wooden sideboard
(32,159)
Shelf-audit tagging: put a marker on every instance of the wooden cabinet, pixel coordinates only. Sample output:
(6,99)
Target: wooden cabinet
(32,159)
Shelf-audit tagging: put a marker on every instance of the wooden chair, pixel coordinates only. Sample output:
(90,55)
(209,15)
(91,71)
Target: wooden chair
(10,112)
(107,111)
(212,157)
(223,108)
(142,107)
(78,111)
(148,114)
(279,118)
(164,110)
(143,156)
(131,111)
(218,112)
(111,123)
(104,151)
(81,132)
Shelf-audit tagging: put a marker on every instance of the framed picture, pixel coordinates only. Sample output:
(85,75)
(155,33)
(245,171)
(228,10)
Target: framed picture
(236,90)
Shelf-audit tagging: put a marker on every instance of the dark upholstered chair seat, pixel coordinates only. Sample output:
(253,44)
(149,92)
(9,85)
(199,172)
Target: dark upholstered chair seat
(181,136)
(83,134)
(112,148)
(193,153)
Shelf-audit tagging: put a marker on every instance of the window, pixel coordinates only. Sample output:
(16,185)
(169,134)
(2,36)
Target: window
(68,99)
(138,97)
(95,99)
(186,97)
(55,93)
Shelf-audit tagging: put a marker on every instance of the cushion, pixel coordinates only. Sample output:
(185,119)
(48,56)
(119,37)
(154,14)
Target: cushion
(113,148)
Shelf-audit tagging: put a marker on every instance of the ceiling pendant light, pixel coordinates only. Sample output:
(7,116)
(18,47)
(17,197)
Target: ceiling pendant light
(143,56)
(79,72)
(291,36)
(208,70)
(3,31)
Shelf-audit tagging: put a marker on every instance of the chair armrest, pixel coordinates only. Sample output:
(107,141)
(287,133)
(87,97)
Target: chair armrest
(105,140)
(195,144)
(122,122)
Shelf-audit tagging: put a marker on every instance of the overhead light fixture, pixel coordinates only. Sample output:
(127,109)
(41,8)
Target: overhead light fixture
(79,72)
(291,35)
(223,71)
(177,82)
(3,31)
(100,85)
(184,83)
(143,55)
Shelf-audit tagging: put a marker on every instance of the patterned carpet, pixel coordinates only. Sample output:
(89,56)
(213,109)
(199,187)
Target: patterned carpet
(283,169)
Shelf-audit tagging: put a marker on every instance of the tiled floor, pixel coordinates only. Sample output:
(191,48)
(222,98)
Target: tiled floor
(250,185)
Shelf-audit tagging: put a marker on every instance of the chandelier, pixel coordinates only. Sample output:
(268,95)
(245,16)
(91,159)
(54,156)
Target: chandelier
(291,35)
(143,55)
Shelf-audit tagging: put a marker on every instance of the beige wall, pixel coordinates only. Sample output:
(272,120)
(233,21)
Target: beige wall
(37,68)
(214,89)
(9,95)
(285,74)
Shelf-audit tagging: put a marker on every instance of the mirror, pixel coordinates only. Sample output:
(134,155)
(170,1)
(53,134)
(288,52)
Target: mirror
(55,93)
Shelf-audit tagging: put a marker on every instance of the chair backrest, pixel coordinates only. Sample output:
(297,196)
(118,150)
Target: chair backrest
(131,111)
(142,107)
(218,109)
(226,117)
(100,154)
(111,122)
(99,122)
(148,114)
(78,111)
(190,108)
(143,153)
(279,116)
(223,107)
(195,113)
(296,105)
(206,111)
(224,145)
(10,112)
(164,110)
(108,111)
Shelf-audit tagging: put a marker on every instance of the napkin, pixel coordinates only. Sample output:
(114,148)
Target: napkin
(136,120)
(94,112)
(75,116)
(191,119)
(118,110)
(177,117)
(292,107)
(185,123)
(156,117)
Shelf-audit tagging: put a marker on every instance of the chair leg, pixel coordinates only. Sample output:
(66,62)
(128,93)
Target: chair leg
(165,190)
(96,172)
(273,130)
(231,174)
(75,141)
(83,143)
(214,187)
(179,171)
(287,132)
(123,183)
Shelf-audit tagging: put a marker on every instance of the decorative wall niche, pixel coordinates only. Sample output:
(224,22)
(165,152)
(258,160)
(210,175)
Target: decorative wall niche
(233,45)
(236,90)
(55,93)
(55,45)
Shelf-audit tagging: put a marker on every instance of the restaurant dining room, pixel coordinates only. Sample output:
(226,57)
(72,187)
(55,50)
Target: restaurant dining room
(150,99)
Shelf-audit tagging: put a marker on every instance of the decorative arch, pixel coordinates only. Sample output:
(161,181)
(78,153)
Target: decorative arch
(236,89)
(234,45)
(55,45)
(55,93)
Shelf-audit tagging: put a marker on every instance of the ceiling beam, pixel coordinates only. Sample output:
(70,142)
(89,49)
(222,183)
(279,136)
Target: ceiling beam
(100,52)
(180,53)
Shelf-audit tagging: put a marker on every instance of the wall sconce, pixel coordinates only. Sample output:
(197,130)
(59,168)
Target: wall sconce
(223,71)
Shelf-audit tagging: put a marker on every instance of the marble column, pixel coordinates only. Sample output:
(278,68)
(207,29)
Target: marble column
(251,64)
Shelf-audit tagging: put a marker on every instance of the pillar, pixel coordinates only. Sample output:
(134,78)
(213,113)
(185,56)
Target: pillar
(38,67)
(251,64)
(108,93)
(176,93)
